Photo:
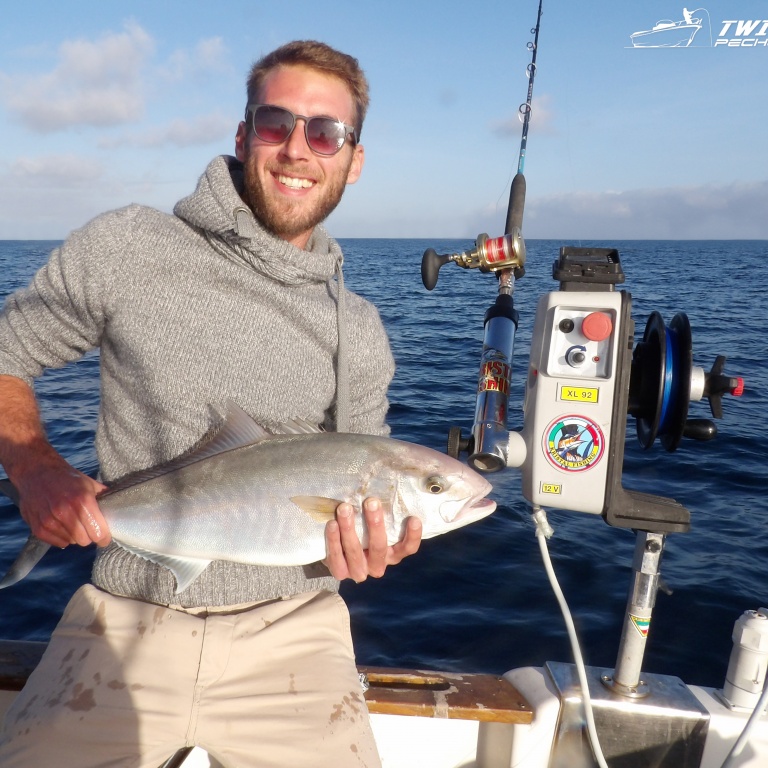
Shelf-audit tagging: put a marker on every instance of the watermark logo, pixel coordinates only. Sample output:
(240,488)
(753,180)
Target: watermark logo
(738,33)
(684,32)
(671,34)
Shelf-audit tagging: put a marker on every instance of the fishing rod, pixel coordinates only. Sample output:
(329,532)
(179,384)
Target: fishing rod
(505,257)
(525,109)
(517,193)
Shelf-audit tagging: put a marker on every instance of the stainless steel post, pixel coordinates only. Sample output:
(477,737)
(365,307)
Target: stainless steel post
(646,564)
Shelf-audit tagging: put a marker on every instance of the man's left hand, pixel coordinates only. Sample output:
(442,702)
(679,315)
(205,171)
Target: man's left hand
(346,557)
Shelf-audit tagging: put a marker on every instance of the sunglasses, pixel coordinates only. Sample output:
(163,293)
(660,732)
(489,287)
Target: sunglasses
(274,125)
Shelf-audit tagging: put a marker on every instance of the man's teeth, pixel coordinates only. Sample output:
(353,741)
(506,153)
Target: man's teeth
(294,183)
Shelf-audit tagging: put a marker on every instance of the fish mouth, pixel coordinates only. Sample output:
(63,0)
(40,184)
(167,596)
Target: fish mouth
(467,510)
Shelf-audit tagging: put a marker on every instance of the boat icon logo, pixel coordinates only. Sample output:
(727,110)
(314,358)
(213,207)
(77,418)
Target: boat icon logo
(670,34)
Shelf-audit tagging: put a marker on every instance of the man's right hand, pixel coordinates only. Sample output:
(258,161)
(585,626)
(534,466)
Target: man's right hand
(59,505)
(57,502)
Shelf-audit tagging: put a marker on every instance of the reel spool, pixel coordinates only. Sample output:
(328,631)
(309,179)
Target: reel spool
(659,388)
(663,382)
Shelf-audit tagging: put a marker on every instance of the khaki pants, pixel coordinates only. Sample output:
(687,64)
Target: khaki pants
(127,683)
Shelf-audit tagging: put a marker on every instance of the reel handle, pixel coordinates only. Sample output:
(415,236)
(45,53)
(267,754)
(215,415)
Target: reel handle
(717,384)
(431,262)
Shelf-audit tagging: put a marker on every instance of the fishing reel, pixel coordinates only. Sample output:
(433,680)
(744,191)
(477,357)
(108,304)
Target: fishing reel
(504,256)
(488,255)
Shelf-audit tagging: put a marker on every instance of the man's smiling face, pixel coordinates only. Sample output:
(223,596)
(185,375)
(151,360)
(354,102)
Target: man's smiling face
(289,187)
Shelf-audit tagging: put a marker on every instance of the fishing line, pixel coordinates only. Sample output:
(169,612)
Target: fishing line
(543,532)
(743,738)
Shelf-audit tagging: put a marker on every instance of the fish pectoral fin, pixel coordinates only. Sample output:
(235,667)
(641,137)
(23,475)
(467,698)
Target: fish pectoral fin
(184,569)
(31,554)
(319,508)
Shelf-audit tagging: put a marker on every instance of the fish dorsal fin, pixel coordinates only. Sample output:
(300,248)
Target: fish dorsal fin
(237,430)
(184,569)
(297,427)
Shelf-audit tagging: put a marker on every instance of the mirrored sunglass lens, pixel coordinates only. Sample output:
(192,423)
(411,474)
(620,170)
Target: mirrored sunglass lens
(325,135)
(272,124)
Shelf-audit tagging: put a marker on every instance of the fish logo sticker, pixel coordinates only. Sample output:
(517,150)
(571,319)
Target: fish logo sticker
(573,443)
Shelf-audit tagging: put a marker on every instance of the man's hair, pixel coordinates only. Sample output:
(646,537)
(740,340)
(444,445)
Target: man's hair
(318,56)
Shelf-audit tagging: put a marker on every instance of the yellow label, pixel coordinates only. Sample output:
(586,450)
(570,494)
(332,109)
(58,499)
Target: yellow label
(551,488)
(580,394)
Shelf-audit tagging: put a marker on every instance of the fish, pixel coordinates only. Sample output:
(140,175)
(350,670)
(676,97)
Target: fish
(249,495)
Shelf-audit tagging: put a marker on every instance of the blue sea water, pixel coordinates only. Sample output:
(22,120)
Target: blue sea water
(478,600)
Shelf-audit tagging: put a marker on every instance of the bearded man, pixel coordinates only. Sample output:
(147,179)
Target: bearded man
(238,296)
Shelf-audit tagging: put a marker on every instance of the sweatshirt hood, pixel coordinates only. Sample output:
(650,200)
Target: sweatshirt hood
(217,208)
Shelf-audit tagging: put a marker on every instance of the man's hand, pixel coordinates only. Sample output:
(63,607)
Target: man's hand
(57,502)
(346,557)
(59,505)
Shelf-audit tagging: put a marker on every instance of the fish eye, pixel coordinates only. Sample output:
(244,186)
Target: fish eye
(435,484)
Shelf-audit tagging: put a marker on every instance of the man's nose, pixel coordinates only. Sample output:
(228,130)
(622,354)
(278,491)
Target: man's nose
(295,145)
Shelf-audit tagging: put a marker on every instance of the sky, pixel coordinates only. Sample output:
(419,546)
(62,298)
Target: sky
(103,104)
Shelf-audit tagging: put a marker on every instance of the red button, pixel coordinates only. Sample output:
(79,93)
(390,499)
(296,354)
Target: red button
(597,326)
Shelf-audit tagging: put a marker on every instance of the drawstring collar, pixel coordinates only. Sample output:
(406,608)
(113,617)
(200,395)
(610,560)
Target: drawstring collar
(342,366)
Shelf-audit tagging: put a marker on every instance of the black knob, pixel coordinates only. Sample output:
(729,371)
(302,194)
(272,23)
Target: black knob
(457,443)
(430,265)
(700,429)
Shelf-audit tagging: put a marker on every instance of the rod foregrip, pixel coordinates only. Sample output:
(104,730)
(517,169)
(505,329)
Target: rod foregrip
(516,204)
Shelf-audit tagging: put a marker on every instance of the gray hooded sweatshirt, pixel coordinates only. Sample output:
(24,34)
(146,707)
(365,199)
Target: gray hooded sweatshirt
(190,310)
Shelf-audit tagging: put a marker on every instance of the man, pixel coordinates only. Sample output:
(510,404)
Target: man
(238,295)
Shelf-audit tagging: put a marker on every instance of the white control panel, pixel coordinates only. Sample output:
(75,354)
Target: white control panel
(569,399)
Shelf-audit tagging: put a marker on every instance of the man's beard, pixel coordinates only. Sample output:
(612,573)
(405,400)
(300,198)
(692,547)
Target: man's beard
(288,218)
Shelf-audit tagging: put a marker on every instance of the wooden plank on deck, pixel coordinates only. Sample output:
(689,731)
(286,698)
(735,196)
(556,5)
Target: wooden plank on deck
(443,694)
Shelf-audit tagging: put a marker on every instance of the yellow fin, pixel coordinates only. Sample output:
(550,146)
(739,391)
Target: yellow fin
(319,508)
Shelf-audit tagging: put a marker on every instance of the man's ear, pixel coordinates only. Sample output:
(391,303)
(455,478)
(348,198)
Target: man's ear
(356,167)
(240,138)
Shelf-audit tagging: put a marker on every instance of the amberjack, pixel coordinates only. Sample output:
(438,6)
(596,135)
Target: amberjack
(252,496)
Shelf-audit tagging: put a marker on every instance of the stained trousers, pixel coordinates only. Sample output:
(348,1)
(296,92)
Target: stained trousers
(127,683)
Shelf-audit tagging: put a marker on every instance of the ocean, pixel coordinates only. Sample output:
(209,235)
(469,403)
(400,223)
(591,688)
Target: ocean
(478,600)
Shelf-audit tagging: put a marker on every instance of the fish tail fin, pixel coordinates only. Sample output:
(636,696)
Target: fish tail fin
(7,488)
(28,558)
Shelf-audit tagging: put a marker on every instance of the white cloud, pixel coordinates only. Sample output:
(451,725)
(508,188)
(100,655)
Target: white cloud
(95,83)
(209,55)
(45,197)
(710,211)
(53,171)
(541,123)
(203,129)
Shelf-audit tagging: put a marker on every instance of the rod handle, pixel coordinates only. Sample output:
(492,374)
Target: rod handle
(516,204)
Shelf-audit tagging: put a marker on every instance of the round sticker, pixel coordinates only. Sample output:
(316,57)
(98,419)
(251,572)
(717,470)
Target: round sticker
(573,443)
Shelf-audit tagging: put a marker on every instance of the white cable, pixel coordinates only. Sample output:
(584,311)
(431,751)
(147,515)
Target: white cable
(543,532)
(745,734)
